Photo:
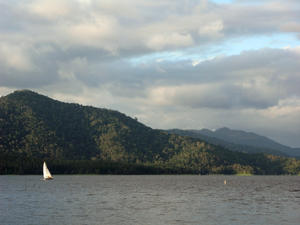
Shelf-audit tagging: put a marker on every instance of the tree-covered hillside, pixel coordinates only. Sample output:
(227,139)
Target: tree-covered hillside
(249,139)
(83,139)
(239,147)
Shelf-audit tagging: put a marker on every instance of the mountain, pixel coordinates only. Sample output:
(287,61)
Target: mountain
(82,139)
(238,140)
(37,125)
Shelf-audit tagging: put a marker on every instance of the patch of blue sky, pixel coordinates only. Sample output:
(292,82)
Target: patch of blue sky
(244,2)
(222,1)
(238,45)
(158,57)
(231,47)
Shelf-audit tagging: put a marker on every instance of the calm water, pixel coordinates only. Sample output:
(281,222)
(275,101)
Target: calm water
(150,200)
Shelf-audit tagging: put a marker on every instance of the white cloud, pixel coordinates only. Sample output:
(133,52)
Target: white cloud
(15,57)
(284,109)
(212,29)
(5,91)
(98,31)
(49,9)
(162,41)
(88,45)
(214,95)
(140,26)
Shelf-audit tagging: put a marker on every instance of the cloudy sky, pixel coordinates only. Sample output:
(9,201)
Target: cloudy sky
(170,63)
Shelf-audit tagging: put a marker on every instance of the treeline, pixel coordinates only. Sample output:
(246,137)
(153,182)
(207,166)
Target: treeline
(266,165)
(13,164)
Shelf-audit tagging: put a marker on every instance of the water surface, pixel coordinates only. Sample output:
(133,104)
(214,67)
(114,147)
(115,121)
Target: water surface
(153,200)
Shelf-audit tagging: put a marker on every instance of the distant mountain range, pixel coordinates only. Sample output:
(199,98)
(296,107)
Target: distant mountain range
(81,139)
(238,140)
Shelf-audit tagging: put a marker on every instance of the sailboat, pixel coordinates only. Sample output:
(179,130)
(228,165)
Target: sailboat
(46,172)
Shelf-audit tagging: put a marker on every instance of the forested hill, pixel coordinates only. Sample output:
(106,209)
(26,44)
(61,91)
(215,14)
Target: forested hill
(84,139)
(250,139)
(241,141)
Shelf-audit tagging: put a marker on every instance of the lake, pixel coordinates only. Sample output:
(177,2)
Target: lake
(157,199)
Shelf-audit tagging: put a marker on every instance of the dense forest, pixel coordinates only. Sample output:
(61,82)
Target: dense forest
(81,139)
(241,141)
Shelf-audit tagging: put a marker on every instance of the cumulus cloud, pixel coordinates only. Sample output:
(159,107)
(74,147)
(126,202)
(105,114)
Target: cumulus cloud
(139,26)
(257,79)
(161,41)
(214,96)
(15,57)
(83,51)
(49,9)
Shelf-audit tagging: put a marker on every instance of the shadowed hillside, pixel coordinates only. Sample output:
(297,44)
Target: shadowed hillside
(237,140)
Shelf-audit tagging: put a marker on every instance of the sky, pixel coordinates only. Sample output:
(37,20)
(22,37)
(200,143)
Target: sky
(188,64)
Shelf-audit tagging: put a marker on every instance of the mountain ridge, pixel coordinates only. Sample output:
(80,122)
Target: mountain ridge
(239,139)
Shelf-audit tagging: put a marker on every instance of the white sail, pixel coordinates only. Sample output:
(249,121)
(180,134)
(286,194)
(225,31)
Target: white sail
(46,172)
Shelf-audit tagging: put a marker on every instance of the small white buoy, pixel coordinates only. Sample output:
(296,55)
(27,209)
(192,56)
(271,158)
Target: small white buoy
(225,182)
